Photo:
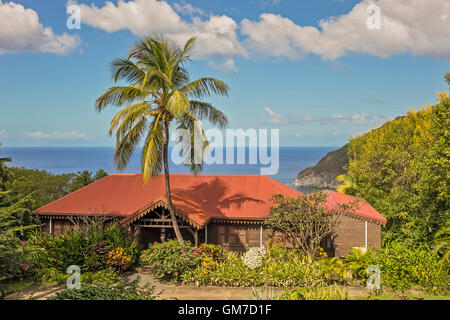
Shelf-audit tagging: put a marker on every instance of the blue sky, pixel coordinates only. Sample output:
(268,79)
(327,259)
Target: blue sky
(318,82)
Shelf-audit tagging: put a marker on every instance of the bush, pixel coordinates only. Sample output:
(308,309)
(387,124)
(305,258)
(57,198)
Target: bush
(51,275)
(253,258)
(315,293)
(402,267)
(96,256)
(93,249)
(275,270)
(170,258)
(59,251)
(123,290)
(15,253)
(118,259)
(106,276)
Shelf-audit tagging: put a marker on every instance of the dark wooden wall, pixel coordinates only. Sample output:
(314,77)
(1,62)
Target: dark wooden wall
(236,237)
(351,233)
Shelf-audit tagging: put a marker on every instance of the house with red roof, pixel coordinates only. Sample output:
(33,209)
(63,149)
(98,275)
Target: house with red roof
(222,209)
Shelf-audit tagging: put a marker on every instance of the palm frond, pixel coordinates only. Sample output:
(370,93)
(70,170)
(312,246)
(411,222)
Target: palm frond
(127,143)
(125,69)
(204,110)
(127,118)
(177,103)
(206,87)
(152,153)
(120,95)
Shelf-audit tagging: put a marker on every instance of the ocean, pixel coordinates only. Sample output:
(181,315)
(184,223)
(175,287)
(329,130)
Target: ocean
(73,159)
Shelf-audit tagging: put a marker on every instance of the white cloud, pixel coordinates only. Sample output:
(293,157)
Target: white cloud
(216,35)
(187,9)
(57,135)
(274,117)
(227,66)
(20,30)
(302,119)
(3,133)
(407,26)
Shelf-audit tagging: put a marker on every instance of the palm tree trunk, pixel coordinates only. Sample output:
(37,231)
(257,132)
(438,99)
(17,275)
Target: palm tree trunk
(167,178)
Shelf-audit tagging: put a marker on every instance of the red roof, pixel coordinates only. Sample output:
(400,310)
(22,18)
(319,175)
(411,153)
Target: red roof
(198,197)
(362,208)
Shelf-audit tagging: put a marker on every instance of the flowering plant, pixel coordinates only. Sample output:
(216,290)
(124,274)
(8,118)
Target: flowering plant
(253,258)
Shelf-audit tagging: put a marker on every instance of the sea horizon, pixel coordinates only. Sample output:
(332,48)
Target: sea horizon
(72,159)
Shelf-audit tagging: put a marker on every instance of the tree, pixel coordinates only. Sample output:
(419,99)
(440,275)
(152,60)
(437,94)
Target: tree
(402,169)
(100,174)
(305,220)
(13,253)
(4,173)
(159,92)
(447,78)
(81,179)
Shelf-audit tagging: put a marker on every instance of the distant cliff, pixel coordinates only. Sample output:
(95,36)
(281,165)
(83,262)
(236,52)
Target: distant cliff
(323,174)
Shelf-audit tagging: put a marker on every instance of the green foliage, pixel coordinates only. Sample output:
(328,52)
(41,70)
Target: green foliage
(442,242)
(52,275)
(105,276)
(333,292)
(305,220)
(4,173)
(118,259)
(44,187)
(277,269)
(402,267)
(15,252)
(403,170)
(84,178)
(90,249)
(123,290)
(170,258)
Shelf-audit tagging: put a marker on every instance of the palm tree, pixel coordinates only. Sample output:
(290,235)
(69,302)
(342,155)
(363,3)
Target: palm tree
(159,92)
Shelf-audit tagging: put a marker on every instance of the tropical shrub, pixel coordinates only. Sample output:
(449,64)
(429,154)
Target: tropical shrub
(123,290)
(213,251)
(59,251)
(402,267)
(118,259)
(275,271)
(92,249)
(105,276)
(253,257)
(96,256)
(170,258)
(51,275)
(333,292)
(15,252)
(305,220)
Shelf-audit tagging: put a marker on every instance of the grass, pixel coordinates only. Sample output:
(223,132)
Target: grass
(403,296)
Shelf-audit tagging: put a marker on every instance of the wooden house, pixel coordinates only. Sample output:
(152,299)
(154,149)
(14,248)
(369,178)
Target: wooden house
(223,209)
